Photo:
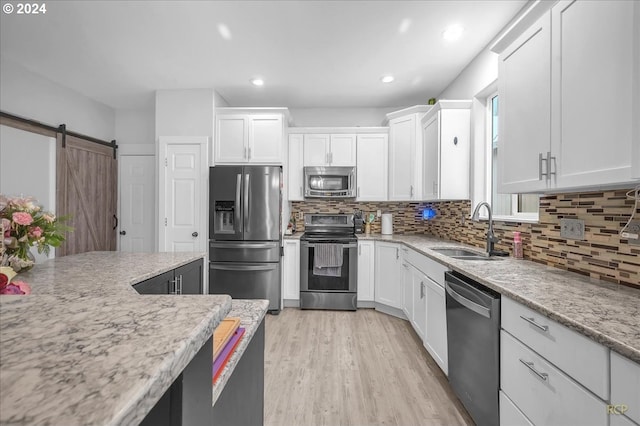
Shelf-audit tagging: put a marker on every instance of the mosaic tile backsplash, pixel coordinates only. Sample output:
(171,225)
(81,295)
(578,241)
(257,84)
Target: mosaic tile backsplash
(603,254)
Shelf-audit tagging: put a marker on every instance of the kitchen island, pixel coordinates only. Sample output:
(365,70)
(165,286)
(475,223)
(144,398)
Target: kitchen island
(86,348)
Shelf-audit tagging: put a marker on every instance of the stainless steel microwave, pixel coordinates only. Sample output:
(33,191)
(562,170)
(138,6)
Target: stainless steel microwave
(330,182)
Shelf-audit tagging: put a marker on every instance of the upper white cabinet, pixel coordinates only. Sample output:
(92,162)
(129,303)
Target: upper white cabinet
(330,150)
(294,171)
(405,154)
(372,167)
(446,148)
(524,90)
(567,103)
(249,136)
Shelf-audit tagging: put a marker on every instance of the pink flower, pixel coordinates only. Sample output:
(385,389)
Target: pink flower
(36,232)
(22,218)
(24,287)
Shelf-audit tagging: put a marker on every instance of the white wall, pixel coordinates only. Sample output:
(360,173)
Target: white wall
(135,126)
(31,95)
(184,112)
(339,117)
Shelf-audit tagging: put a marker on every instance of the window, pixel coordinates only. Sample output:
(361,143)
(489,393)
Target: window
(504,206)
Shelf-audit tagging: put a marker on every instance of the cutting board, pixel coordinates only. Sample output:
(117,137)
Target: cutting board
(223,333)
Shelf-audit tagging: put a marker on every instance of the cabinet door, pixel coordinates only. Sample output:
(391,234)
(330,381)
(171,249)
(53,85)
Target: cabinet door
(366,271)
(430,158)
(454,148)
(190,278)
(265,139)
(343,150)
(419,319)
(524,88)
(388,289)
(232,136)
(593,93)
(295,176)
(625,385)
(435,340)
(407,290)
(316,150)
(160,284)
(372,167)
(291,270)
(402,155)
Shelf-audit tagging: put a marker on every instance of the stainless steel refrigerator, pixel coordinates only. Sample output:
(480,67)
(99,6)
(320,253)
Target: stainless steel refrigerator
(245,232)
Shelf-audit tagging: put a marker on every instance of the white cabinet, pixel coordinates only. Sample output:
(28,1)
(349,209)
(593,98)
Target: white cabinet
(244,137)
(295,174)
(291,271)
(567,99)
(419,314)
(330,150)
(625,386)
(435,335)
(544,394)
(366,272)
(372,167)
(524,90)
(407,290)
(405,154)
(388,288)
(446,131)
(510,415)
(592,139)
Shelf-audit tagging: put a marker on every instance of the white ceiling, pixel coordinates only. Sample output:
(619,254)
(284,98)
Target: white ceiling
(310,53)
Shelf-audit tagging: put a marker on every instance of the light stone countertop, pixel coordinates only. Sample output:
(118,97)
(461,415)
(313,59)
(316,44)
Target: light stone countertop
(605,312)
(86,349)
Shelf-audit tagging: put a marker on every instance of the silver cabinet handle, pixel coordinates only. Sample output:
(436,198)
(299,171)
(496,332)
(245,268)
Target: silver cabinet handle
(405,265)
(358,191)
(532,321)
(180,284)
(301,194)
(549,158)
(421,290)
(174,286)
(244,152)
(249,153)
(530,366)
(411,191)
(540,160)
(397,253)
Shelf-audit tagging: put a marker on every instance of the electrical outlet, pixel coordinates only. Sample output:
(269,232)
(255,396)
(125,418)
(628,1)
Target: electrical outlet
(379,213)
(633,230)
(300,216)
(572,229)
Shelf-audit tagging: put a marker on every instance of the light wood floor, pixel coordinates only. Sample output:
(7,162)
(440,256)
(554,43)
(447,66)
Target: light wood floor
(352,368)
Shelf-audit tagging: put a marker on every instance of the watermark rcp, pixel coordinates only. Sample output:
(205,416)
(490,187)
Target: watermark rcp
(617,408)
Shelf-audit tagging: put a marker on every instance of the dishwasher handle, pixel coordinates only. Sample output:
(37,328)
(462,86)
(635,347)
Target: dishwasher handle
(478,309)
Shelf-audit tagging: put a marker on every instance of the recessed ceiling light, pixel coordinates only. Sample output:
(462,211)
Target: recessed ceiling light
(257,82)
(404,25)
(387,79)
(224,31)
(452,33)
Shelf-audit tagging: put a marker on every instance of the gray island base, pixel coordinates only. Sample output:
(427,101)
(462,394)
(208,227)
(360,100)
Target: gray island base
(86,349)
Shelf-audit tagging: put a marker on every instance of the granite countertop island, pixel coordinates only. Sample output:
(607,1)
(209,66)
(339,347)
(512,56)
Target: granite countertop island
(86,348)
(605,312)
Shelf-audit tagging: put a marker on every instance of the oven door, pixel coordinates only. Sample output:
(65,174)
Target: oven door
(346,282)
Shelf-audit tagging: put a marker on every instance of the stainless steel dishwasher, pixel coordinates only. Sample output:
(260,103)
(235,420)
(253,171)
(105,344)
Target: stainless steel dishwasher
(473,336)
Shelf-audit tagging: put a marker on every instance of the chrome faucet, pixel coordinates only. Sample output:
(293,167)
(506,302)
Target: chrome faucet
(491,238)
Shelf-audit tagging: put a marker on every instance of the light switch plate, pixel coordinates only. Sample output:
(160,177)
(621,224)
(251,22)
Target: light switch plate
(572,229)
(633,228)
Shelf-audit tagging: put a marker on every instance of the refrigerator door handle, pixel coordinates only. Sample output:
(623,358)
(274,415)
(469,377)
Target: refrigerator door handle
(237,209)
(243,268)
(245,208)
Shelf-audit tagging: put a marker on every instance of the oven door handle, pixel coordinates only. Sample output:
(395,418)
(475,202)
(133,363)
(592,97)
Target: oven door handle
(349,246)
(245,268)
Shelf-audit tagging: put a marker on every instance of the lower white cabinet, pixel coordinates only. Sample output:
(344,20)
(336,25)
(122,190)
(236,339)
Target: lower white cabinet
(625,387)
(388,287)
(419,318)
(544,394)
(291,272)
(366,271)
(435,335)
(407,290)
(510,415)
(620,420)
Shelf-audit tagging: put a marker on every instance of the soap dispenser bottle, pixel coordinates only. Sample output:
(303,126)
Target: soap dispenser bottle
(517,245)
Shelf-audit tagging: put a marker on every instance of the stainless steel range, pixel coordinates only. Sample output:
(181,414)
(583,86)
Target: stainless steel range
(328,262)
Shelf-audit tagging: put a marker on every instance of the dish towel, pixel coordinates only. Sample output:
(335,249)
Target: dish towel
(327,260)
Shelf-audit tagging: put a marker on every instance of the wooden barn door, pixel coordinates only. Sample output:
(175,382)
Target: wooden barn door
(86,185)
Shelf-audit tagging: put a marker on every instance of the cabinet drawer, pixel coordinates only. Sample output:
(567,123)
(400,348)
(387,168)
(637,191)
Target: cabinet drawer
(625,385)
(426,265)
(510,415)
(544,394)
(578,356)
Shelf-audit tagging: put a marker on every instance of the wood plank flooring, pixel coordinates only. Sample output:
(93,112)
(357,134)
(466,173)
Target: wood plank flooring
(352,368)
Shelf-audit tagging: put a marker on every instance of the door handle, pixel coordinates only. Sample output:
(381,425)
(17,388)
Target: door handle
(116,219)
(533,322)
(530,366)
(478,309)
(237,207)
(123,232)
(246,203)
(421,290)
(195,234)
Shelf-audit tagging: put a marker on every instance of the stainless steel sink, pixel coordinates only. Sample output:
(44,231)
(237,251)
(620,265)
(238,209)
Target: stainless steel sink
(463,254)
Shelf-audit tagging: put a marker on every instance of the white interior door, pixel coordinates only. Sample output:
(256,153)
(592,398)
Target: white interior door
(137,201)
(183,201)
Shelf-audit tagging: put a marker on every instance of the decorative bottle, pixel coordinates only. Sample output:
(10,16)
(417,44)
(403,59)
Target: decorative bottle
(517,245)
